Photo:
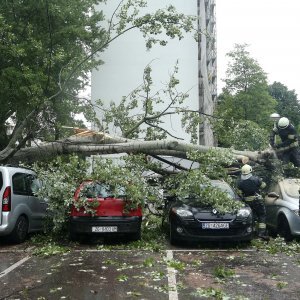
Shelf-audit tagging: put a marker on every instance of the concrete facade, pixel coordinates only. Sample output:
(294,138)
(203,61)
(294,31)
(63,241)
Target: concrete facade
(126,58)
(207,67)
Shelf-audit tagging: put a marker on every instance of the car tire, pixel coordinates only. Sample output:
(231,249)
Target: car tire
(283,229)
(20,231)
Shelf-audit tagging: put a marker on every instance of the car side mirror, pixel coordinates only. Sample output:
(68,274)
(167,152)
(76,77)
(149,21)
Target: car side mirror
(273,195)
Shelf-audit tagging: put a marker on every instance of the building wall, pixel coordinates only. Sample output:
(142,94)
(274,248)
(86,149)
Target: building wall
(207,68)
(126,58)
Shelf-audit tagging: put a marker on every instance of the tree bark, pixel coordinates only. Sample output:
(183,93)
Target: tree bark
(93,143)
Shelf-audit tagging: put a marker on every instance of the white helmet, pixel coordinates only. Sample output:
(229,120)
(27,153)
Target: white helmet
(246,169)
(283,123)
(275,116)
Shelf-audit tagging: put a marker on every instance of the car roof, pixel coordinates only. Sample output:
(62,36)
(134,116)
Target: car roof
(290,186)
(10,169)
(218,182)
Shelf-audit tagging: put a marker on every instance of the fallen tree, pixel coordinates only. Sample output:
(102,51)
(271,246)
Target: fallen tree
(93,143)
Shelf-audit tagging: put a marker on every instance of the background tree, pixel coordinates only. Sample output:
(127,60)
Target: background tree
(287,102)
(244,97)
(42,41)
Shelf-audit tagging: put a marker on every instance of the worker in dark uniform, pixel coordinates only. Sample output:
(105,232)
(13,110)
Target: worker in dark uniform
(288,149)
(249,186)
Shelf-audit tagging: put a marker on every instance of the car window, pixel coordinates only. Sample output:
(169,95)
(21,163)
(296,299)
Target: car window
(19,184)
(101,190)
(93,190)
(34,184)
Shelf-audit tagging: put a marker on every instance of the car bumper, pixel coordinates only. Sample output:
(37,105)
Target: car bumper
(193,232)
(124,225)
(294,222)
(6,227)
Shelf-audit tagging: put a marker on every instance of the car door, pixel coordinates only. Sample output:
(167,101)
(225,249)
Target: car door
(38,205)
(272,205)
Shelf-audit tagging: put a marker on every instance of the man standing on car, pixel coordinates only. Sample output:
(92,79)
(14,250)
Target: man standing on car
(250,186)
(288,149)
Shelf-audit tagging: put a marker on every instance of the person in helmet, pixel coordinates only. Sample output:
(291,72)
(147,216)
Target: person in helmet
(249,186)
(288,149)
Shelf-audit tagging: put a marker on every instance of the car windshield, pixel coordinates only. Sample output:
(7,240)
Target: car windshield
(291,187)
(102,190)
(220,185)
(224,187)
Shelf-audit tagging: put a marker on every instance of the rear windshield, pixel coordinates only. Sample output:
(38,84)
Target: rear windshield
(101,190)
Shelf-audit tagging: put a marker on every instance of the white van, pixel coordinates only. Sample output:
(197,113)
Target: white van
(21,211)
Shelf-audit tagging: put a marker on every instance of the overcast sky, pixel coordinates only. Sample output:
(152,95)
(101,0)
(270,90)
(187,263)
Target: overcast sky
(271,28)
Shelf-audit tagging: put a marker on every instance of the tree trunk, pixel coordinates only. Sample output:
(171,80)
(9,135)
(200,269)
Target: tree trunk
(93,143)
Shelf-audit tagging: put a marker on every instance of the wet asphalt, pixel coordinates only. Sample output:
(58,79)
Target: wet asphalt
(175,273)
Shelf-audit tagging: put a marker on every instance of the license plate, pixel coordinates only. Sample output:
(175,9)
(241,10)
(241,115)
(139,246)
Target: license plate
(215,225)
(104,229)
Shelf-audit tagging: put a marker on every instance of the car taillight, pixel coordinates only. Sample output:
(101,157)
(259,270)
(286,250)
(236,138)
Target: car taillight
(6,199)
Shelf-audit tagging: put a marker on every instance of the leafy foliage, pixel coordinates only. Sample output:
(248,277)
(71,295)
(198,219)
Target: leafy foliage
(243,71)
(223,272)
(144,111)
(61,177)
(241,135)
(196,182)
(41,42)
(245,98)
(287,102)
(211,293)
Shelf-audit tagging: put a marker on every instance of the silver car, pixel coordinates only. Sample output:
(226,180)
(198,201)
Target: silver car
(282,206)
(21,211)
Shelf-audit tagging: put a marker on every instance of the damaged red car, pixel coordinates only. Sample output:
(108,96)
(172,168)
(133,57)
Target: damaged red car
(100,210)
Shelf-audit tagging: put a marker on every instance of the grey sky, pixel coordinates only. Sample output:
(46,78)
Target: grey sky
(271,28)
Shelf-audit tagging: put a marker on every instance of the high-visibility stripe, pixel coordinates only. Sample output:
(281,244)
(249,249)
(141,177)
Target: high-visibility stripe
(250,198)
(262,226)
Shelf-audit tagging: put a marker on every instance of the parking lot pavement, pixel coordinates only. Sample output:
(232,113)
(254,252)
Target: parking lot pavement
(136,274)
(238,275)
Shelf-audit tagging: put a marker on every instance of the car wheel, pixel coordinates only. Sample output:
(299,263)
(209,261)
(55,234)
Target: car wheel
(20,231)
(283,228)
(172,236)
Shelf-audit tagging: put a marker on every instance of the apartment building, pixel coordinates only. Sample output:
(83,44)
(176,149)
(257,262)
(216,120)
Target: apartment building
(126,58)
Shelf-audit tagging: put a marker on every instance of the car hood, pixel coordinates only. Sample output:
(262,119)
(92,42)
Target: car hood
(206,212)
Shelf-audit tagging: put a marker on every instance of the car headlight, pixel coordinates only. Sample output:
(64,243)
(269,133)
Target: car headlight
(182,212)
(244,212)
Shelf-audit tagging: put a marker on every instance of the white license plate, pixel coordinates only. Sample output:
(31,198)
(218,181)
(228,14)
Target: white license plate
(215,225)
(104,229)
